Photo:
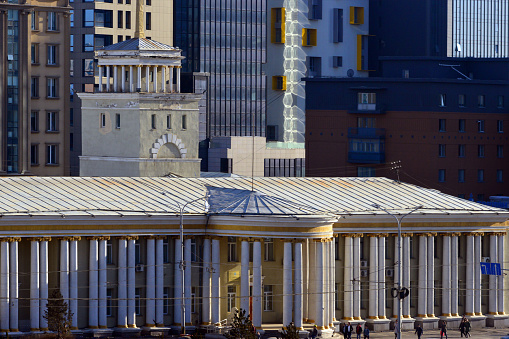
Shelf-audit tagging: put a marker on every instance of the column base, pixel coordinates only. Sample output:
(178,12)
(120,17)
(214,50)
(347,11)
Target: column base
(327,333)
(99,332)
(378,325)
(497,321)
(127,332)
(427,322)
(157,331)
(406,323)
(453,321)
(188,329)
(477,321)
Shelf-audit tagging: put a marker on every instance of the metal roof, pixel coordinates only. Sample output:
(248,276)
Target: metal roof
(103,196)
(138,44)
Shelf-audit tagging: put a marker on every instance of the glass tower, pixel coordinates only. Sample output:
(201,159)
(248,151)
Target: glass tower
(12,91)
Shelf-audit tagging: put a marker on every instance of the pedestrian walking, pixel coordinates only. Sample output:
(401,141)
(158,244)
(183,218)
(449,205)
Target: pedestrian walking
(443,330)
(467,328)
(314,332)
(348,331)
(396,327)
(366,332)
(358,331)
(419,331)
(462,327)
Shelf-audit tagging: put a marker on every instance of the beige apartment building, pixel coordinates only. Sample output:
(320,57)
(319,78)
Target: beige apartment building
(34,84)
(95,25)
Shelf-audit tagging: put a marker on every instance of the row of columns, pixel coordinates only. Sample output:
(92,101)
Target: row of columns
(158,72)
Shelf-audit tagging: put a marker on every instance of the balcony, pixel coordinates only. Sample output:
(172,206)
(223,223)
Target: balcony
(366,157)
(368,109)
(366,145)
(366,133)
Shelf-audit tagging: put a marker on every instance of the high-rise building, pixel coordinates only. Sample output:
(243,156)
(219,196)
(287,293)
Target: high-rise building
(34,86)
(96,24)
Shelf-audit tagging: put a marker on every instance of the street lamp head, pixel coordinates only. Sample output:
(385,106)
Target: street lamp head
(375,205)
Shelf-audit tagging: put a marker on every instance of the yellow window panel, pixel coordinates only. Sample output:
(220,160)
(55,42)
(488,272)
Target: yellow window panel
(356,15)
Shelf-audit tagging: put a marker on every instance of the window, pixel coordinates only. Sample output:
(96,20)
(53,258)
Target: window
(34,87)
(314,66)
(52,21)
(117,120)
(120,19)
(500,126)
(166,248)
(481,101)
(71,43)
(461,151)
(461,100)
(442,102)
(109,306)
(441,150)
(232,249)
(101,40)
(366,101)
(103,120)
(267,297)
(480,175)
(315,9)
(365,171)
(337,25)
(88,42)
(268,244)
(441,125)
(34,21)
(34,54)
(71,16)
(480,126)
(231,298)
(149,2)
(308,37)
(51,154)
(461,125)
(166,304)
(34,121)
(103,18)
(441,175)
(336,248)
(137,252)
(52,54)
(71,92)
(168,121)
(71,117)
(34,154)
(500,174)
(500,151)
(500,101)
(337,61)
(153,121)
(109,252)
(120,38)
(128,19)
(461,175)
(88,18)
(226,165)
(184,121)
(279,83)
(52,87)
(356,15)
(52,122)
(148,21)
(194,253)
(480,151)
(88,67)
(137,301)
(366,122)
(277,25)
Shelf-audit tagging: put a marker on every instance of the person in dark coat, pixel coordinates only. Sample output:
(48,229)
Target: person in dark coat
(467,328)
(443,330)
(462,327)
(419,331)
(358,331)
(366,332)
(348,331)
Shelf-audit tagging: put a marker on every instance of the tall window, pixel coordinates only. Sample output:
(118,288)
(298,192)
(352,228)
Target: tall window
(277,25)
(461,100)
(166,248)
(34,87)
(34,154)
(52,21)
(166,304)
(232,249)
(442,102)
(480,175)
(441,125)
(148,21)
(153,121)
(500,126)
(137,301)
(51,154)
(168,121)
(480,126)
(500,151)
(184,121)
(315,66)
(128,19)
(88,18)
(34,54)
(194,253)
(461,151)
(461,125)
(480,151)
(52,55)
(120,19)
(137,252)
(500,174)
(481,101)
(500,101)
(337,28)
(34,121)
(109,306)
(268,244)
(34,21)
(441,175)
(267,297)
(52,122)
(315,9)
(441,150)
(231,297)
(52,87)
(117,120)
(109,252)
(461,175)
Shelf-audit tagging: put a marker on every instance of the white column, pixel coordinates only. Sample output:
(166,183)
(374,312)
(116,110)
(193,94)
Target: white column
(356,278)
(163,79)
(206,282)
(454,275)
(155,79)
(305,289)
(131,282)
(170,80)
(13,285)
(423,276)
(333,280)
(43,281)
(122,76)
(151,284)
(477,273)
(257,284)
(312,289)
(131,79)
(373,277)
(406,274)
(64,269)
(122,283)
(115,79)
(102,283)
(326,283)
(108,78)
(34,285)
(298,286)
(178,79)
(73,280)
(469,275)
(244,276)
(493,278)
(100,78)
(147,78)
(347,276)
(187,278)
(500,291)
(446,276)
(431,276)
(138,80)
(319,284)
(93,279)
(159,282)
(395,302)
(215,283)
(4,286)
(381,278)
(178,283)
(287,283)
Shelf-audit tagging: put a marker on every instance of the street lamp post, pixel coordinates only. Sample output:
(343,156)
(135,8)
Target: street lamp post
(399,218)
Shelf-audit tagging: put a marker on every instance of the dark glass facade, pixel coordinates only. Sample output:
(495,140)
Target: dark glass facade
(12,122)
(228,40)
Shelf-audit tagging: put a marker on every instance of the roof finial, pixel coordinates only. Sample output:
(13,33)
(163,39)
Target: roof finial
(140,31)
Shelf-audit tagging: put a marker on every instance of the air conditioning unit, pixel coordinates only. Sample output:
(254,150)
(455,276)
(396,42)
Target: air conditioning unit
(139,268)
(364,263)
(485,259)
(364,273)
(389,272)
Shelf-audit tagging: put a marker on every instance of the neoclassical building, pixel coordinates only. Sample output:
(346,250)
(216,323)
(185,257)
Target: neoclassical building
(308,250)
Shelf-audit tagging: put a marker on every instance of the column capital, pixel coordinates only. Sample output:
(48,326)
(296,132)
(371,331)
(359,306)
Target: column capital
(499,233)
(10,239)
(244,239)
(321,239)
(70,238)
(407,235)
(445,234)
(299,240)
(215,237)
(129,237)
(455,234)
(257,239)
(160,237)
(377,235)
(39,239)
(186,237)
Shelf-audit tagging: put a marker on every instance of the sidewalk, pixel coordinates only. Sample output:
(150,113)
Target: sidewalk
(483,333)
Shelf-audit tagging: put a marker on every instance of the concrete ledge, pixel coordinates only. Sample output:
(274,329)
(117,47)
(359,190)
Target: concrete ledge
(477,321)
(378,325)
(497,321)
(98,332)
(427,323)
(127,332)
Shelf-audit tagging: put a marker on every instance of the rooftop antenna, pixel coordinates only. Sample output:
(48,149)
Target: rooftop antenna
(140,31)
(396,166)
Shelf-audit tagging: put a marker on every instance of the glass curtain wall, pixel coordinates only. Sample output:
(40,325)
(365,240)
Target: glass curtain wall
(12,118)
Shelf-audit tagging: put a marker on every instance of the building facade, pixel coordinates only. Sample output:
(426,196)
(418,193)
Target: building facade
(316,246)
(34,99)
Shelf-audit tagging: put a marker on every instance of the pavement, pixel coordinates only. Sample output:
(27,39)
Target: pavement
(483,333)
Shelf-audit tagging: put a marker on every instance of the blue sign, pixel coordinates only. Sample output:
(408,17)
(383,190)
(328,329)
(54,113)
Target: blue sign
(491,268)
